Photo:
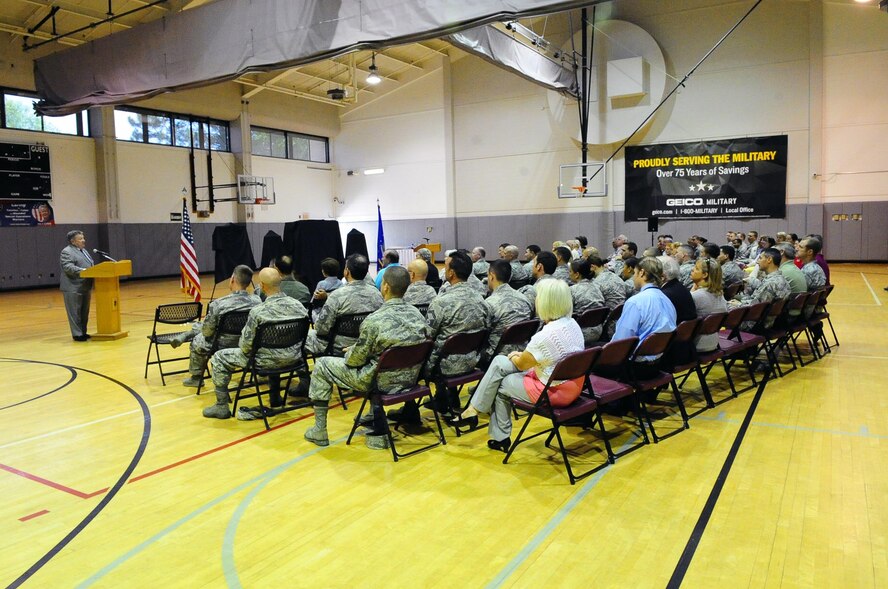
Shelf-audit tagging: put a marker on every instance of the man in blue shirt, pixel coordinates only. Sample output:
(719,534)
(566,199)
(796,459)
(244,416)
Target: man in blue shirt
(650,311)
(389,258)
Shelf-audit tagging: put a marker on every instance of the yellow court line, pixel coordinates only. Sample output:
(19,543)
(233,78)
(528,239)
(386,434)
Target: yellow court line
(872,292)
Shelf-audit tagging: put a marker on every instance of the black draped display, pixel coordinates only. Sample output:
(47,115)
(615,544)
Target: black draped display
(272,247)
(309,242)
(355,243)
(232,246)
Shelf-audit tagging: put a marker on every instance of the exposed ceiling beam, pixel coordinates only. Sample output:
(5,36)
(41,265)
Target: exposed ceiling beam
(290,92)
(17,30)
(70,8)
(265,85)
(428,46)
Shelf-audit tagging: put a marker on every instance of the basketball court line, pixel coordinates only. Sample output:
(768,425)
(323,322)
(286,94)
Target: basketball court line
(872,292)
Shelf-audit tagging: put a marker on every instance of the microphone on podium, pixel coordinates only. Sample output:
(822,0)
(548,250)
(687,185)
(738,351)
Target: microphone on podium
(104,254)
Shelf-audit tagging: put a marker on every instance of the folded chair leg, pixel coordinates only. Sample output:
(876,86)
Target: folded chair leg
(517,439)
(570,474)
(610,452)
(681,405)
(355,423)
(730,380)
(644,412)
(707,394)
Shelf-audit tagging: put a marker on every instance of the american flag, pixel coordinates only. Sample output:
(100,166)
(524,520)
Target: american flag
(188,258)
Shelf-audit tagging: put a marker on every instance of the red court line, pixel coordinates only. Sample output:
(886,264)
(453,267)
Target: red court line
(33,515)
(44,481)
(82,495)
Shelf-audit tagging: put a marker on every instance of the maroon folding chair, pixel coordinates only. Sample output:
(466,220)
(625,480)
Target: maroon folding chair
(646,377)
(776,333)
(572,366)
(711,325)
(608,384)
(818,316)
(743,345)
(517,334)
(399,358)
(611,322)
(685,336)
(448,387)
(732,289)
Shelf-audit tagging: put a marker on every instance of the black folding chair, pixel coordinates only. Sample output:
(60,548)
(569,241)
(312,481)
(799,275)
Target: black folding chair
(423,309)
(571,367)
(399,358)
(171,314)
(273,335)
(458,344)
(230,324)
(348,325)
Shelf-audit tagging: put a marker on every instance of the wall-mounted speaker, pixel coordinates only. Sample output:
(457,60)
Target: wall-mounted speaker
(654,222)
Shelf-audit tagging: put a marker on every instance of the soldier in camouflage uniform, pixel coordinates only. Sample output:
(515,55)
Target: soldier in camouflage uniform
(772,286)
(479,264)
(586,295)
(814,275)
(289,285)
(419,292)
(731,272)
(510,254)
(562,270)
(684,255)
(473,282)
(544,267)
(277,307)
(507,307)
(612,289)
(396,323)
(459,310)
(201,334)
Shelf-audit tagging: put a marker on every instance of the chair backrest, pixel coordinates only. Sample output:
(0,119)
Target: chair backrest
(615,353)
(799,301)
(518,333)
(732,289)
(280,334)
(403,357)
(481,276)
(615,313)
(686,331)
(756,312)
(178,313)
(517,283)
(348,325)
(232,323)
(654,344)
(734,318)
(463,343)
(574,365)
(712,324)
(423,309)
(592,317)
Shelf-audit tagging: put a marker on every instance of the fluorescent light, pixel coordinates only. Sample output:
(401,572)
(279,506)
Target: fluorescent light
(374,171)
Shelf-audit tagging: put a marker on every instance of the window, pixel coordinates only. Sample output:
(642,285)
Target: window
(161,128)
(289,145)
(18,113)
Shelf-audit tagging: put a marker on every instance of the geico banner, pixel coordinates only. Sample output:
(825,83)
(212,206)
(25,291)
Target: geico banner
(709,179)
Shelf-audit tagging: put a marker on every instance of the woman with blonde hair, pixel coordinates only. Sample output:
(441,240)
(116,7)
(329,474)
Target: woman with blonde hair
(523,375)
(707,293)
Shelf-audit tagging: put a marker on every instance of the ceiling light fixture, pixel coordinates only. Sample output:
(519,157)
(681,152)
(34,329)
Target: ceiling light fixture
(374,78)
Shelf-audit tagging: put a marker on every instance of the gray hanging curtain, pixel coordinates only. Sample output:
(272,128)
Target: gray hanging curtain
(225,39)
(500,49)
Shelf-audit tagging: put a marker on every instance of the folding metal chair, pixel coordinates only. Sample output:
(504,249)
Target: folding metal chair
(686,334)
(650,379)
(711,325)
(171,314)
(399,358)
(743,345)
(517,334)
(423,309)
(732,289)
(230,324)
(611,322)
(821,314)
(348,325)
(591,318)
(572,366)
(458,344)
(273,335)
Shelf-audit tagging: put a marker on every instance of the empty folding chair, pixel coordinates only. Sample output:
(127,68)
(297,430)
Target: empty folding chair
(648,378)
(743,345)
(171,314)
(448,387)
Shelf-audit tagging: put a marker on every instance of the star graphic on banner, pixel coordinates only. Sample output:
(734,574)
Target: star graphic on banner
(711,188)
(701,186)
(693,188)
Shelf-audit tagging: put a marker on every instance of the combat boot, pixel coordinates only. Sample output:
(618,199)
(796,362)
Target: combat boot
(318,433)
(220,409)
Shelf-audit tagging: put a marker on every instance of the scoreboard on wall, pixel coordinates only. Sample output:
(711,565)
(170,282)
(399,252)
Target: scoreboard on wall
(24,172)
(25,185)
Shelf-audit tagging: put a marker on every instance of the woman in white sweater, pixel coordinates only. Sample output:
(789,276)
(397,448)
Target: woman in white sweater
(708,297)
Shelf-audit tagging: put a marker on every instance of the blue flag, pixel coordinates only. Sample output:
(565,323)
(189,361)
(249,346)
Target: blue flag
(380,240)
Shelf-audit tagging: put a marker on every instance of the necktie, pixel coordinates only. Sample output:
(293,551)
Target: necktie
(88,257)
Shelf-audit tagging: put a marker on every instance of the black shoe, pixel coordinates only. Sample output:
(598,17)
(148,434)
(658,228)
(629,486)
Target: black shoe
(80,338)
(458,421)
(275,400)
(502,445)
(87,336)
(408,414)
(366,420)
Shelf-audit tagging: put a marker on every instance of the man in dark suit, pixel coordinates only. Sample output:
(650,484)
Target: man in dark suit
(75,290)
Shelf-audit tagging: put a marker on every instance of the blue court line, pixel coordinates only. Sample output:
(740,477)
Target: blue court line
(553,523)
(270,474)
(863,432)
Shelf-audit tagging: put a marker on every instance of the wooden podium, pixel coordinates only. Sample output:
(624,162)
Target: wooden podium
(107,279)
(432,247)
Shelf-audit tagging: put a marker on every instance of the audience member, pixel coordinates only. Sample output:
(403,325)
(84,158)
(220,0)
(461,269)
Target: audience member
(479,264)
(563,258)
(814,275)
(586,295)
(289,285)
(433,279)
(419,292)
(543,269)
(506,305)
(389,258)
(708,298)
(731,272)
(684,255)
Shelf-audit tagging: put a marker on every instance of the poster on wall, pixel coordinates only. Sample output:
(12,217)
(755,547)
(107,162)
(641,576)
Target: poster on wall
(24,172)
(730,178)
(26,214)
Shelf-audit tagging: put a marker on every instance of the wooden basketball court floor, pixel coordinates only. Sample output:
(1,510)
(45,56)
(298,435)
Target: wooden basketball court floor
(112,480)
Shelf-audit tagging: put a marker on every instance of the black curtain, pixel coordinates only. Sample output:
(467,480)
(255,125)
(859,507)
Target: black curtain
(355,243)
(232,246)
(309,242)
(272,247)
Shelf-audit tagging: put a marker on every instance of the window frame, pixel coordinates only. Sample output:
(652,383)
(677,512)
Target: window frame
(81,118)
(203,131)
(288,135)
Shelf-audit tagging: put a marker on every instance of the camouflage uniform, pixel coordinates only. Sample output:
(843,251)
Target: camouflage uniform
(480,267)
(814,275)
(473,282)
(419,293)
(292,288)
(732,273)
(507,306)
(358,296)
(277,307)
(459,310)
(773,286)
(586,295)
(395,323)
(614,292)
(530,292)
(684,274)
(518,271)
(562,273)
(617,266)
(202,333)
